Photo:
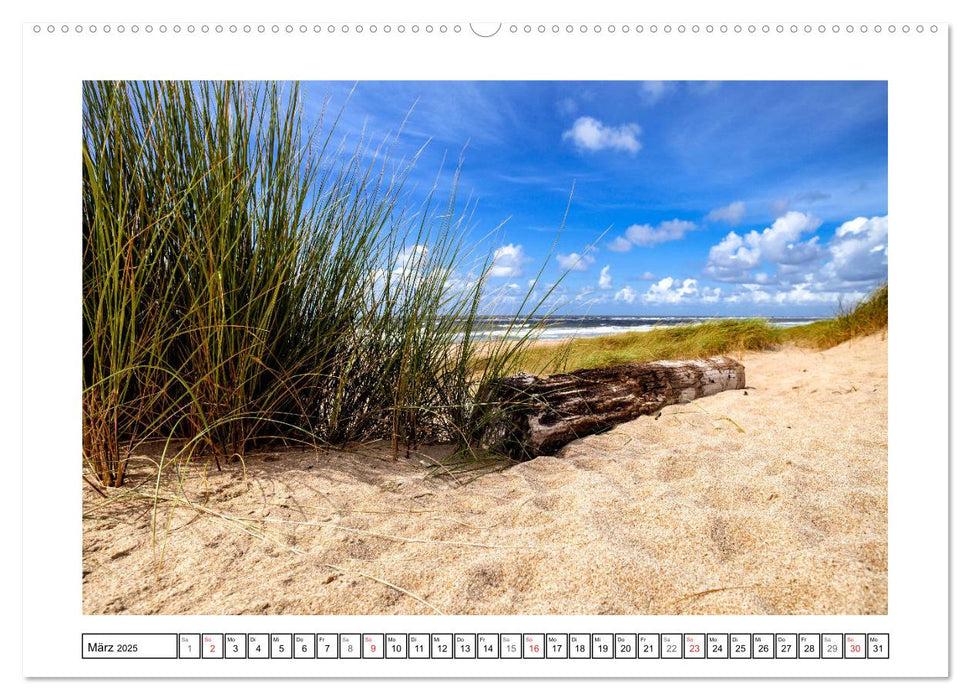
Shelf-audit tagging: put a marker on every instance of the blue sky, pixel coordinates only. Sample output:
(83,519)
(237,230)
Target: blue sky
(714,198)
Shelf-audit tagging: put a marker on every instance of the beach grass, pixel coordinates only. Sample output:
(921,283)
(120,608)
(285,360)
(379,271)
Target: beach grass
(248,278)
(871,315)
(708,339)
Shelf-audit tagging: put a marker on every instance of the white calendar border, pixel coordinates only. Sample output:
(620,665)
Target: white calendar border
(55,64)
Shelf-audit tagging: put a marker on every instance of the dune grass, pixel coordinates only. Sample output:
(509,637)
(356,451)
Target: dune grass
(246,279)
(869,316)
(722,337)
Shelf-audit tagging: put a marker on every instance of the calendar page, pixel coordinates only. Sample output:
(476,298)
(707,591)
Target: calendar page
(424,346)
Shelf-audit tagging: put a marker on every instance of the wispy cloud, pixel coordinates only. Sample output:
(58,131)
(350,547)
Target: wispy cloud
(575,261)
(653,91)
(730,213)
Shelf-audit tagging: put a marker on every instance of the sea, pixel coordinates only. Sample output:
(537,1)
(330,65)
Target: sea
(564,327)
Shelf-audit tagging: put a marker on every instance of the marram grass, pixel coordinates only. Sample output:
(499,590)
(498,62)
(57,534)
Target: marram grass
(245,279)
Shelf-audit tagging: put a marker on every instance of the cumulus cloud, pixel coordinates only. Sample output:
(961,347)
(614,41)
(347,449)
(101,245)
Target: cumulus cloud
(575,261)
(729,260)
(859,250)
(729,214)
(589,134)
(670,291)
(508,261)
(732,258)
(626,294)
(647,236)
(605,281)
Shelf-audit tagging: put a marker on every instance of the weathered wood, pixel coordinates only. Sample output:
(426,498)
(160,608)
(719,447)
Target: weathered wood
(549,412)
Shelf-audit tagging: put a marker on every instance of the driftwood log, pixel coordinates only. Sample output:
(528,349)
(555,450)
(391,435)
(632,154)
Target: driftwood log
(549,412)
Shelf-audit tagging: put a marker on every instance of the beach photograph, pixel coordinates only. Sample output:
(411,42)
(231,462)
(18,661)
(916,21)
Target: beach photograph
(490,347)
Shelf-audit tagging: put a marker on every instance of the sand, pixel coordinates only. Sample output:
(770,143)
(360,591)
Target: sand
(771,500)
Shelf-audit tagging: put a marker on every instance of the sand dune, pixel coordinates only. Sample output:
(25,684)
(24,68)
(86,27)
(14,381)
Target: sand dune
(771,500)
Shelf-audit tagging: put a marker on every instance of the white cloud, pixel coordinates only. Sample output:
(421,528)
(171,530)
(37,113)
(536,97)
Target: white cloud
(589,134)
(647,276)
(575,261)
(859,250)
(780,242)
(729,214)
(648,236)
(605,281)
(620,245)
(671,291)
(732,258)
(729,260)
(627,294)
(653,91)
(508,261)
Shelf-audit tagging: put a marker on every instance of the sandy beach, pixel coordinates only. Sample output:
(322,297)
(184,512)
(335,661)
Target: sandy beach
(771,500)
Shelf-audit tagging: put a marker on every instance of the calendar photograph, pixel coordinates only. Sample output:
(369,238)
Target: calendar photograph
(484,348)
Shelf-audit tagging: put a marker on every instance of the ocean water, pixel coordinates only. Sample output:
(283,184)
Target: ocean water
(563,327)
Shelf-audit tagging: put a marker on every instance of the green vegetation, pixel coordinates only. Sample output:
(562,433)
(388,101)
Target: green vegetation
(245,280)
(731,336)
(869,316)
